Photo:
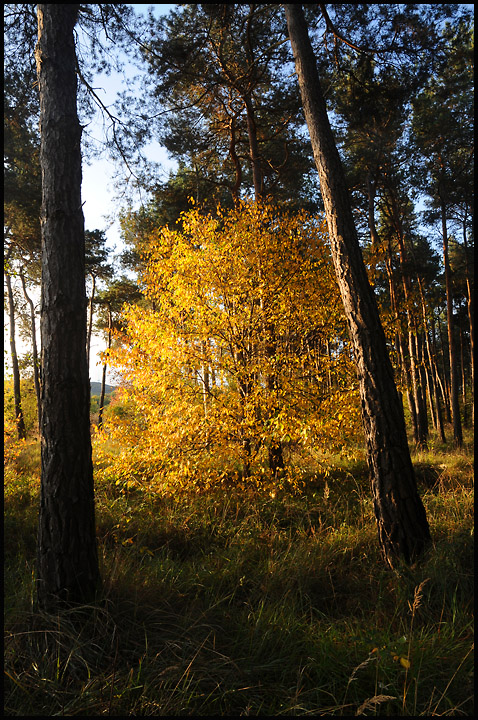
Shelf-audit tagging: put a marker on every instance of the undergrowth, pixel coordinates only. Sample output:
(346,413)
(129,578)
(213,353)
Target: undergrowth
(246,603)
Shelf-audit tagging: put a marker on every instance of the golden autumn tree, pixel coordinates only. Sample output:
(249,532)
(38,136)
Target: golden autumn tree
(243,348)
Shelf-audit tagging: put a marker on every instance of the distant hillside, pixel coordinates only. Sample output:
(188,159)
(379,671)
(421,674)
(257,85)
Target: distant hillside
(96,388)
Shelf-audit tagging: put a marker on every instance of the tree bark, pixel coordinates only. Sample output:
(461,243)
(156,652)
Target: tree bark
(374,238)
(67,561)
(90,321)
(17,397)
(36,368)
(399,345)
(471,320)
(454,401)
(402,524)
(105,366)
(420,427)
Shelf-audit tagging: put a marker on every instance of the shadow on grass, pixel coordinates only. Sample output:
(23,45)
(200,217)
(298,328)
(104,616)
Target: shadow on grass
(227,605)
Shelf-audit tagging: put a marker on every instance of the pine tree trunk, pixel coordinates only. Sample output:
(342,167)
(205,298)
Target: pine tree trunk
(67,561)
(90,322)
(443,384)
(103,375)
(374,238)
(402,359)
(17,398)
(455,407)
(254,149)
(463,380)
(36,368)
(471,320)
(432,370)
(402,524)
(421,422)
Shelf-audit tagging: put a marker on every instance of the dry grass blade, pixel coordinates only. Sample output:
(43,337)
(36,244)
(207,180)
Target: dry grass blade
(373,701)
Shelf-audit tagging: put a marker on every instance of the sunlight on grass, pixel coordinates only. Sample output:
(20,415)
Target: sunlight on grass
(252,603)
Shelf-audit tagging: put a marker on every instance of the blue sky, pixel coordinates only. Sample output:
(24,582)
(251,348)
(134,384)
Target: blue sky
(98,193)
(97,188)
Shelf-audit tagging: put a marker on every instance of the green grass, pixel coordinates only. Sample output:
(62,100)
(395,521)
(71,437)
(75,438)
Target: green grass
(235,603)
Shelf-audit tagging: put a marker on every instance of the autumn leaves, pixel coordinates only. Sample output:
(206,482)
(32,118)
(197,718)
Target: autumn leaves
(239,352)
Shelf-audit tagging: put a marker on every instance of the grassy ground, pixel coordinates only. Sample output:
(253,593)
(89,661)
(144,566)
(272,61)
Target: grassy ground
(235,604)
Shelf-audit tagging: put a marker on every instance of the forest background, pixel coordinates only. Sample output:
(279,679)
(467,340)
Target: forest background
(294,397)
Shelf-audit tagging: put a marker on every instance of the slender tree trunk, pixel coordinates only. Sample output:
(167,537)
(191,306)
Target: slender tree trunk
(90,322)
(276,457)
(206,386)
(36,366)
(430,367)
(434,380)
(244,385)
(455,407)
(421,421)
(402,524)
(235,160)
(444,385)
(431,395)
(103,375)
(205,378)
(275,453)
(67,561)
(399,344)
(471,320)
(463,379)
(254,149)
(419,389)
(17,398)
(374,238)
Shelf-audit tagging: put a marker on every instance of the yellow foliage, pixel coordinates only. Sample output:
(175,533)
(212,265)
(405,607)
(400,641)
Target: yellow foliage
(243,346)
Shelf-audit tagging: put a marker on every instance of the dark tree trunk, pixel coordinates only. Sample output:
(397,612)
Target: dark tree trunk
(275,452)
(90,321)
(105,365)
(432,371)
(463,379)
(17,398)
(402,359)
(421,418)
(454,401)
(374,238)
(471,315)
(235,160)
(471,320)
(254,150)
(67,561)
(36,368)
(402,524)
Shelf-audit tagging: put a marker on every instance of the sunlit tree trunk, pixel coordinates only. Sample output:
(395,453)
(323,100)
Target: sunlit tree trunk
(17,399)
(471,319)
(67,561)
(442,382)
(399,345)
(402,524)
(463,379)
(105,366)
(36,366)
(455,408)
(90,321)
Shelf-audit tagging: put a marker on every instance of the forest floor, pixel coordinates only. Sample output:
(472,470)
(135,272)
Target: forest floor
(240,603)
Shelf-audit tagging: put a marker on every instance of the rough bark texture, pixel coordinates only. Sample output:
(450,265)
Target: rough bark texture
(67,562)
(402,524)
